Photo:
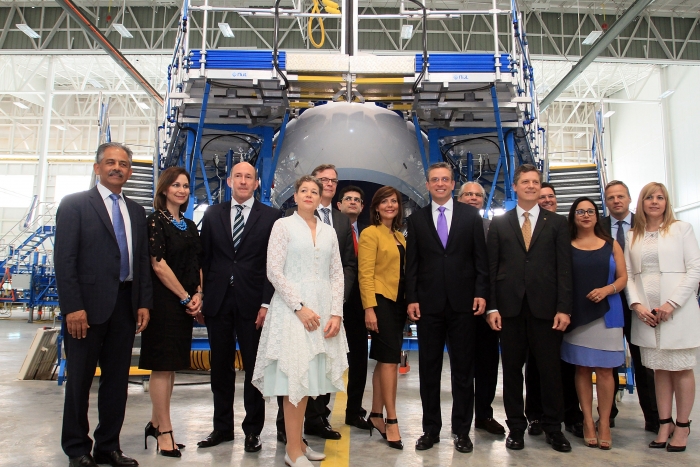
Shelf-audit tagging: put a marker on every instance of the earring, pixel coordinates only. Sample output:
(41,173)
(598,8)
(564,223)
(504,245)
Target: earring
(379,218)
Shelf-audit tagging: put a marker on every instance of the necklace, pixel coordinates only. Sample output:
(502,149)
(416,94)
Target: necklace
(180,225)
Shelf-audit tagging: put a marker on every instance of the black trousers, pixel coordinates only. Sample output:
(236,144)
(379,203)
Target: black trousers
(435,328)
(533,392)
(487,356)
(356,333)
(223,329)
(519,335)
(316,414)
(110,343)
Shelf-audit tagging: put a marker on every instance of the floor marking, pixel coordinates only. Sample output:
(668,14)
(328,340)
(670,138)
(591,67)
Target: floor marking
(338,452)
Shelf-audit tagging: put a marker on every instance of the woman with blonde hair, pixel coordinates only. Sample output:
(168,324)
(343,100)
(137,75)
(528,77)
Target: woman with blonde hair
(663,266)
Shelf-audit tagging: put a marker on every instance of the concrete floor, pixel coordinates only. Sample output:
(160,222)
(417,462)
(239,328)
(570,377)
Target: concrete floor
(30,425)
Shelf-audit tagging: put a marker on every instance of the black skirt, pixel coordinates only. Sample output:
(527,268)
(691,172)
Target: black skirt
(391,319)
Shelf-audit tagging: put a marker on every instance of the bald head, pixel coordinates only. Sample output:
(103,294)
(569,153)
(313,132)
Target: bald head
(473,194)
(243,181)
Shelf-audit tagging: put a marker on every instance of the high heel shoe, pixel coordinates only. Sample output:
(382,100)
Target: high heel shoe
(393,444)
(656,445)
(371,425)
(151,430)
(165,452)
(670,447)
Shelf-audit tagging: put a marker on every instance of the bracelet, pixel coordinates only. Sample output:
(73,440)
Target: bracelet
(614,288)
(186,300)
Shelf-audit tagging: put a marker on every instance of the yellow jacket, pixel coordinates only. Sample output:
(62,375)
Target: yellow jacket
(378,264)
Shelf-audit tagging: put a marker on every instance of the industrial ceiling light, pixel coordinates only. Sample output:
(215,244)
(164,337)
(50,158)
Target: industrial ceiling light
(95,83)
(580,135)
(226,30)
(27,30)
(406,31)
(666,94)
(21,105)
(592,37)
(143,105)
(60,127)
(121,29)
(609,114)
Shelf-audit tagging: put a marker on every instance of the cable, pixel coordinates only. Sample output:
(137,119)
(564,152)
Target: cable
(309,29)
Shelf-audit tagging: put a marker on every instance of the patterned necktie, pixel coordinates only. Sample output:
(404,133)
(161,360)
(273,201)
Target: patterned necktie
(326,217)
(120,233)
(238,225)
(442,226)
(620,235)
(527,230)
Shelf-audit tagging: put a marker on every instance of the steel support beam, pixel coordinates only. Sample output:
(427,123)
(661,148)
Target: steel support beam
(600,45)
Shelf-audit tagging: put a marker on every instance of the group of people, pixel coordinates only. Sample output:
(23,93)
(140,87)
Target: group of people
(299,293)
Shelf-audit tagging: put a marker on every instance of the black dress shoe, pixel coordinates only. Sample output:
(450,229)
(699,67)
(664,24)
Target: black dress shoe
(558,441)
(490,425)
(82,461)
(358,422)
(652,427)
(515,440)
(216,437)
(535,428)
(281,436)
(114,458)
(252,443)
(575,429)
(322,431)
(463,443)
(426,441)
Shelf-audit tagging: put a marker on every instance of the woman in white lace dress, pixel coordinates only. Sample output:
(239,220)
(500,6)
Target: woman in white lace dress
(663,266)
(303,349)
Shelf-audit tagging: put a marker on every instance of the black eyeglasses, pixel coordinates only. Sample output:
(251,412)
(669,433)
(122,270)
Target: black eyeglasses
(352,198)
(583,212)
(325,180)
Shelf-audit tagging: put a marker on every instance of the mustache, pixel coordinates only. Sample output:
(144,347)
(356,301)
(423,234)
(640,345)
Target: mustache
(116,172)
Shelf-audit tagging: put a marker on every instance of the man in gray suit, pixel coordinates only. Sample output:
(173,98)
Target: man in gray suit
(103,275)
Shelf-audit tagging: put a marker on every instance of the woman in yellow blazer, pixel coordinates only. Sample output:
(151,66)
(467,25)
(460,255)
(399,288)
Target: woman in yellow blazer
(381,257)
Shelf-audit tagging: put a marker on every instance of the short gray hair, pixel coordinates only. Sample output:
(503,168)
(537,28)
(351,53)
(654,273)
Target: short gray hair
(463,188)
(104,146)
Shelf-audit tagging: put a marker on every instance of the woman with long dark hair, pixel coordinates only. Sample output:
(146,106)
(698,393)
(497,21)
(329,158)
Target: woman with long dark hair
(594,341)
(381,258)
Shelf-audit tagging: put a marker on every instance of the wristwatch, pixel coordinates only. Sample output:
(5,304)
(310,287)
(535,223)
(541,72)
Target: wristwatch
(298,307)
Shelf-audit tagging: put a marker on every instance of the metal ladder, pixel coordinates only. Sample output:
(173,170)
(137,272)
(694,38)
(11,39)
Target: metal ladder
(574,181)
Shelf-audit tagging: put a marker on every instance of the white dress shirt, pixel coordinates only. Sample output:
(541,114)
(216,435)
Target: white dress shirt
(449,210)
(534,214)
(247,206)
(105,192)
(330,212)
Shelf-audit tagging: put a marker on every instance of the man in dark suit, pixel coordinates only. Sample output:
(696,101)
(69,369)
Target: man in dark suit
(237,293)
(104,277)
(617,200)
(317,412)
(531,299)
(487,351)
(446,286)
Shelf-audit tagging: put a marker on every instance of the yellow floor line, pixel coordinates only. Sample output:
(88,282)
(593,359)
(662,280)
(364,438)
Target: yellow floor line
(338,452)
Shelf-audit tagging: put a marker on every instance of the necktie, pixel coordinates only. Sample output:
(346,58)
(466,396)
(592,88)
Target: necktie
(354,239)
(620,235)
(238,225)
(442,226)
(120,233)
(326,217)
(527,230)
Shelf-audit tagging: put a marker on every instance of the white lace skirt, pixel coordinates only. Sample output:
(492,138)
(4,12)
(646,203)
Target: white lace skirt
(668,359)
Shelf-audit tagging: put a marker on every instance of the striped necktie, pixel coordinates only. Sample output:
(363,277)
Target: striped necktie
(238,225)
(326,217)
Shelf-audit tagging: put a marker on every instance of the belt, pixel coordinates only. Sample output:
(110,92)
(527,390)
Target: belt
(125,285)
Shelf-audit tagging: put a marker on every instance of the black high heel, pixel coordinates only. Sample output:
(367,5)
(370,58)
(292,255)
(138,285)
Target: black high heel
(654,444)
(151,430)
(670,447)
(393,444)
(166,452)
(371,425)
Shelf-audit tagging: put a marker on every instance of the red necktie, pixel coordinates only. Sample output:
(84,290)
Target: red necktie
(354,240)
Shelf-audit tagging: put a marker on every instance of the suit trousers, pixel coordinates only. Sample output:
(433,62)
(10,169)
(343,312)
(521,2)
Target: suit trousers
(316,414)
(356,333)
(533,392)
(110,343)
(519,335)
(485,369)
(223,329)
(435,329)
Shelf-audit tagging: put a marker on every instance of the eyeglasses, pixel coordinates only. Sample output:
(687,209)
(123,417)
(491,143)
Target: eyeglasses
(470,194)
(438,179)
(352,198)
(325,180)
(583,212)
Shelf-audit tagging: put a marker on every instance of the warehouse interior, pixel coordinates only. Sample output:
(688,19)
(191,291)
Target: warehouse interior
(381,89)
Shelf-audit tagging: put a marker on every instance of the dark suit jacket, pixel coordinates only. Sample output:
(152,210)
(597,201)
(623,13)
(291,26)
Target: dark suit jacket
(343,229)
(248,266)
(87,259)
(543,272)
(455,274)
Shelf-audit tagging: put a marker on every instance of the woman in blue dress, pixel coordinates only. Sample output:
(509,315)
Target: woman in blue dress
(594,341)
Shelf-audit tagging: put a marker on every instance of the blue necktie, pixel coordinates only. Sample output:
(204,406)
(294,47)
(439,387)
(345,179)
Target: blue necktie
(326,218)
(620,235)
(238,225)
(120,232)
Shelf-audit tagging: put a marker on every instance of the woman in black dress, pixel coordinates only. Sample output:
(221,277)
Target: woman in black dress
(381,256)
(177,299)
